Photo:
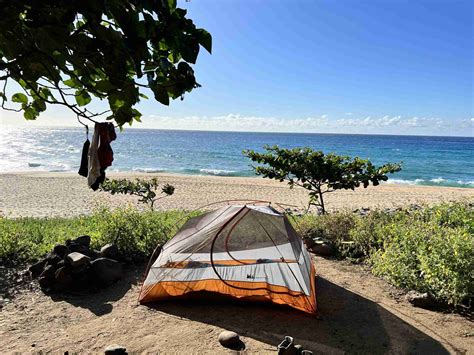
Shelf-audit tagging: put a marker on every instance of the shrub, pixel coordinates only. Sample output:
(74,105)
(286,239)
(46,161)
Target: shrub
(26,239)
(366,233)
(145,189)
(427,257)
(428,250)
(137,233)
(333,227)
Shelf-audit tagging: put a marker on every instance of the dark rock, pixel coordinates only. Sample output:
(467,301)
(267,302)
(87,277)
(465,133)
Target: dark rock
(37,268)
(78,248)
(109,251)
(63,277)
(422,300)
(415,207)
(77,259)
(93,254)
(80,269)
(229,339)
(322,248)
(364,211)
(45,283)
(82,282)
(61,250)
(115,350)
(106,271)
(53,258)
(83,240)
(309,242)
(392,211)
(48,272)
(138,258)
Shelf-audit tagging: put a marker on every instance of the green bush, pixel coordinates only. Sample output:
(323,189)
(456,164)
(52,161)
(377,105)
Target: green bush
(428,250)
(136,232)
(25,240)
(333,227)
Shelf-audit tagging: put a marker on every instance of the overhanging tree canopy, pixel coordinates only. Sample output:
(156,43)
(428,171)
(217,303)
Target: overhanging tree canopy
(65,52)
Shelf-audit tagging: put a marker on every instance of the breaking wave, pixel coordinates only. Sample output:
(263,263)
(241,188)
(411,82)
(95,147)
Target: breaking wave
(432,182)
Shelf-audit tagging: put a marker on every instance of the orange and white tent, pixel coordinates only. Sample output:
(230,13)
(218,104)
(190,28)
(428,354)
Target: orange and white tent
(248,252)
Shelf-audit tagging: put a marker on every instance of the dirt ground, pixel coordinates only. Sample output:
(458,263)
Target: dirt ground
(359,313)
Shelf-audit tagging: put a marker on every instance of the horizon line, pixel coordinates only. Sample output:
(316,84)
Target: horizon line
(134,127)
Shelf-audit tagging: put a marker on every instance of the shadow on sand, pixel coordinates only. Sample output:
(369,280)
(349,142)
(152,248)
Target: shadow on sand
(347,323)
(99,301)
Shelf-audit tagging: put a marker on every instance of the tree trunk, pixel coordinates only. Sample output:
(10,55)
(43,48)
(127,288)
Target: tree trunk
(321,201)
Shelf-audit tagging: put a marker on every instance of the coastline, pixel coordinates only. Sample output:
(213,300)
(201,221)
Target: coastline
(66,194)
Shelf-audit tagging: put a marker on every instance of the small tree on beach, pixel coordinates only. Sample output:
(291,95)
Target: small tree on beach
(67,52)
(317,172)
(145,189)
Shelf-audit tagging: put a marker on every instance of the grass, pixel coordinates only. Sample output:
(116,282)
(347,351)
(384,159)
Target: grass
(429,250)
(25,240)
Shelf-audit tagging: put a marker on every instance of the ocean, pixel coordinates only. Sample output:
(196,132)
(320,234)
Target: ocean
(435,161)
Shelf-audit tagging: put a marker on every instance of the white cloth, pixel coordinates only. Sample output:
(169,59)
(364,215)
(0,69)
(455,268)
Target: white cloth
(93,158)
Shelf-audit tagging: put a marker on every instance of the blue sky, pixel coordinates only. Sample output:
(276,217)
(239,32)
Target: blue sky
(380,66)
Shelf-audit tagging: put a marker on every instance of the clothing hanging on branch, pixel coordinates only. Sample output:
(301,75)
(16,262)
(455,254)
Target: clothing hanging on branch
(83,169)
(99,154)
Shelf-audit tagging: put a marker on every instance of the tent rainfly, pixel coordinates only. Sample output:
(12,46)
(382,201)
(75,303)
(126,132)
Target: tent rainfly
(248,252)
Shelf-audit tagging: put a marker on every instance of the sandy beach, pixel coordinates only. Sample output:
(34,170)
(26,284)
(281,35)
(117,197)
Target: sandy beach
(67,194)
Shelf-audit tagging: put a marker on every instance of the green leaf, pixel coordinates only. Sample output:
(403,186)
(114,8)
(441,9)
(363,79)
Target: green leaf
(172,4)
(72,83)
(115,102)
(205,39)
(161,94)
(104,86)
(30,113)
(39,105)
(82,97)
(20,98)
(136,115)
(190,52)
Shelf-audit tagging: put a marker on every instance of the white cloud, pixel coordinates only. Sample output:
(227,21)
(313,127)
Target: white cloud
(369,124)
(323,124)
